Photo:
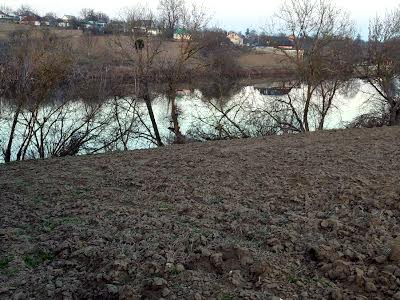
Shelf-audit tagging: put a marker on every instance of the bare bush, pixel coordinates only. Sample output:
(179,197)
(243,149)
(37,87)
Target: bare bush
(383,67)
(37,66)
(171,14)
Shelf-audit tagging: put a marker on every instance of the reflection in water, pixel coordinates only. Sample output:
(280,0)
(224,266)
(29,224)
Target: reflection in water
(276,88)
(124,125)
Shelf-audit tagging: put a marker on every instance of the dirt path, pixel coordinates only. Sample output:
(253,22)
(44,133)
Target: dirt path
(297,217)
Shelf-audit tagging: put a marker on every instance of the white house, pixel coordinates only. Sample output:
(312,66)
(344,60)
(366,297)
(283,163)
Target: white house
(7,17)
(153,31)
(3,15)
(67,18)
(235,38)
(146,27)
(66,21)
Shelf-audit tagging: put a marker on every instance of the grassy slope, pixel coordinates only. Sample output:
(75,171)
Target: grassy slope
(299,217)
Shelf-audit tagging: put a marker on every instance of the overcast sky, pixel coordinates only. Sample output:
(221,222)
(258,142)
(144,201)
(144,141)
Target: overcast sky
(230,15)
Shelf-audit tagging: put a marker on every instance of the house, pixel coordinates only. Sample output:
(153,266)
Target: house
(68,18)
(235,38)
(116,27)
(49,21)
(95,27)
(282,42)
(67,21)
(182,34)
(5,17)
(101,24)
(8,17)
(87,25)
(145,27)
(32,20)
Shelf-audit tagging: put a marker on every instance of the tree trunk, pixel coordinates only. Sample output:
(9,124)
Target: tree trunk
(179,139)
(394,102)
(321,124)
(394,116)
(41,146)
(7,153)
(306,109)
(30,133)
(147,100)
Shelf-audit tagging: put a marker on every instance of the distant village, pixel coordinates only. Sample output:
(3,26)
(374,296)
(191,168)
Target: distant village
(102,24)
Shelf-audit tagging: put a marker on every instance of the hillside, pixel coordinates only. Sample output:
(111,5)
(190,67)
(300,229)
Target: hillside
(104,48)
(311,216)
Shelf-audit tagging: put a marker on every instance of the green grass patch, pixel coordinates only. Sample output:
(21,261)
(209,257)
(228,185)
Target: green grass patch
(292,279)
(71,221)
(214,200)
(226,297)
(38,200)
(163,206)
(82,191)
(35,259)
(5,267)
(48,225)
(4,262)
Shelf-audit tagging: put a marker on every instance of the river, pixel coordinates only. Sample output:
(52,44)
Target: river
(198,118)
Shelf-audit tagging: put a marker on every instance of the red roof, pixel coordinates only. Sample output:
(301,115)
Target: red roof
(29,19)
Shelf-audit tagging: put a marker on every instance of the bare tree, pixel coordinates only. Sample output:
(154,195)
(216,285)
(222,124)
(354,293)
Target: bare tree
(37,65)
(139,50)
(25,10)
(88,14)
(320,34)
(5,9)
(51,15)
(383,68)
(181,68)
(171,13)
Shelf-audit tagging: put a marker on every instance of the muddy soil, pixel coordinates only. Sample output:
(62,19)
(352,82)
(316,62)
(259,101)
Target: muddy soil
(313,216)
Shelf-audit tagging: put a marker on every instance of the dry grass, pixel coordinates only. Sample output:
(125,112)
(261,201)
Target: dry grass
(7,28)
(105,47)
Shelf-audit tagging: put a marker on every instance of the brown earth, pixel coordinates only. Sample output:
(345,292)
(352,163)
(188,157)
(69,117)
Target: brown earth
(312,216)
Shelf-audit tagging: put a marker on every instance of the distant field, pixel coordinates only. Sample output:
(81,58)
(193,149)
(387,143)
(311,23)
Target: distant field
(7,28)
(258,60)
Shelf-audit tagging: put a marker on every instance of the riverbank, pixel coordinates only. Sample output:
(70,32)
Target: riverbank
(297,217)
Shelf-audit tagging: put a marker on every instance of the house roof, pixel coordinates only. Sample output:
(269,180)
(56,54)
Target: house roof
(49,19)
(68,17)
(143,23)
(8,16)
(93,23)
(181,31)
(235,33)
(282,41)
(30,18)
